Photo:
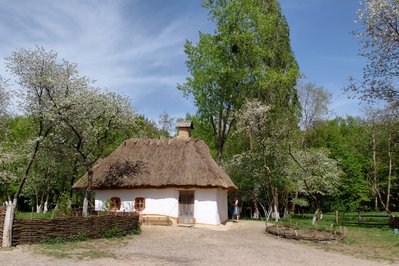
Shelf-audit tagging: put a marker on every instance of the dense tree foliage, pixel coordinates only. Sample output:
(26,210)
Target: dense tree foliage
(248,56)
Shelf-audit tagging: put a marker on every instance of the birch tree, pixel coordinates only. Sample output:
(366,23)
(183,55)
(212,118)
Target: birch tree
(384,141)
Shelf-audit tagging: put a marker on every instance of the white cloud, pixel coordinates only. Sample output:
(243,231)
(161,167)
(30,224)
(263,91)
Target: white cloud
(114,42)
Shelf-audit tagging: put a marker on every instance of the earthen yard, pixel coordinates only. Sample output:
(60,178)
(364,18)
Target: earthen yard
(243,243)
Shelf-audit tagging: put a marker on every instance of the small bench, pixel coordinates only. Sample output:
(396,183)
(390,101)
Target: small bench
(155,220)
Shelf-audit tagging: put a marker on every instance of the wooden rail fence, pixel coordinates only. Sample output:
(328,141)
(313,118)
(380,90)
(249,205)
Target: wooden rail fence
(365,219)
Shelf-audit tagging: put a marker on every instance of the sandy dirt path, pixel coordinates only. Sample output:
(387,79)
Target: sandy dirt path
(244,243)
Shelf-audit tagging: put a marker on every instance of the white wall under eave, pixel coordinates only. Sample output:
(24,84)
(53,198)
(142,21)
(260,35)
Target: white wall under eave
(210,205)
(222,205)
(157,201)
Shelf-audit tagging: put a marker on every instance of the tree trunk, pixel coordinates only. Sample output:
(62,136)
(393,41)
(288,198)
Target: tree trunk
(74,170)
(375,171)
(389,180)
(276,213)
(85,211)
(293,204)
(256,210)
(45,209)
(219,150)
(23,180)
(264,209)
(269,213)
(32,159)
(8,223)
(315,215)
(276,205)
(286,205)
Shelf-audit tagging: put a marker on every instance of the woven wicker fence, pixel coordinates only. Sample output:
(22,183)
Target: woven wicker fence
(2,218)
(30,231)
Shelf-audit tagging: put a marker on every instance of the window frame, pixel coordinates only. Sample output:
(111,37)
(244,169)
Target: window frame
(137,202)
(115,203)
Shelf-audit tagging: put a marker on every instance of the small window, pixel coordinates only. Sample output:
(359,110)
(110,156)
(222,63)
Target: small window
(115,204)
(139,204)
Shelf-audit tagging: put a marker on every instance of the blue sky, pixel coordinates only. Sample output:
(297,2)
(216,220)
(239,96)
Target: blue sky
(136,47)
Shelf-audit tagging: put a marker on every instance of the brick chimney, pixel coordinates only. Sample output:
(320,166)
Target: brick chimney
(184,129)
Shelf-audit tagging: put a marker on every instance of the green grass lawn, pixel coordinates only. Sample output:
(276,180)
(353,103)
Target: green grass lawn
(29,215)
(364,241)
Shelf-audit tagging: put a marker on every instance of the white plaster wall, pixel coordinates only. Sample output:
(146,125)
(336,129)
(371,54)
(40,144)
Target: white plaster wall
(157,201)
(210,205)
(222,205)
(206,207)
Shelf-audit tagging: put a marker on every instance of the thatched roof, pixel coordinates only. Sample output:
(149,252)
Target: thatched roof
(158,163)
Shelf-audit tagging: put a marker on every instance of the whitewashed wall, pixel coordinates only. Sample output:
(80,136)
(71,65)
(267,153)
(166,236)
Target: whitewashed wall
(222,205)
(210,205)
(157,201)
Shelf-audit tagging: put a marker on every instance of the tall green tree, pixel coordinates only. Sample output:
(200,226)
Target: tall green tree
(248,56)
(383,125)
(349,143)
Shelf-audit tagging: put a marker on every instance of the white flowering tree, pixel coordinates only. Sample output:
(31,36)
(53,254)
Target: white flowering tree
(65,107)
(36,71)
(91,115)
(314,173)
(260,171)
(7,173)
(4,99)
(6,157)
(379,38)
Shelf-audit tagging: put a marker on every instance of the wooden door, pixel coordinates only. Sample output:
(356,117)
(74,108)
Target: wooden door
(186,207)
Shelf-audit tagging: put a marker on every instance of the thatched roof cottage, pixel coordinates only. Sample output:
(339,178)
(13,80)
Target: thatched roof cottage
(174,177)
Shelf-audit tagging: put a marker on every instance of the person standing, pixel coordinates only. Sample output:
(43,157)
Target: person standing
(236,211)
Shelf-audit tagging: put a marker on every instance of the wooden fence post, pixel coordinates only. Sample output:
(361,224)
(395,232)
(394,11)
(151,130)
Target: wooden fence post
(8,223)
(336,217)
